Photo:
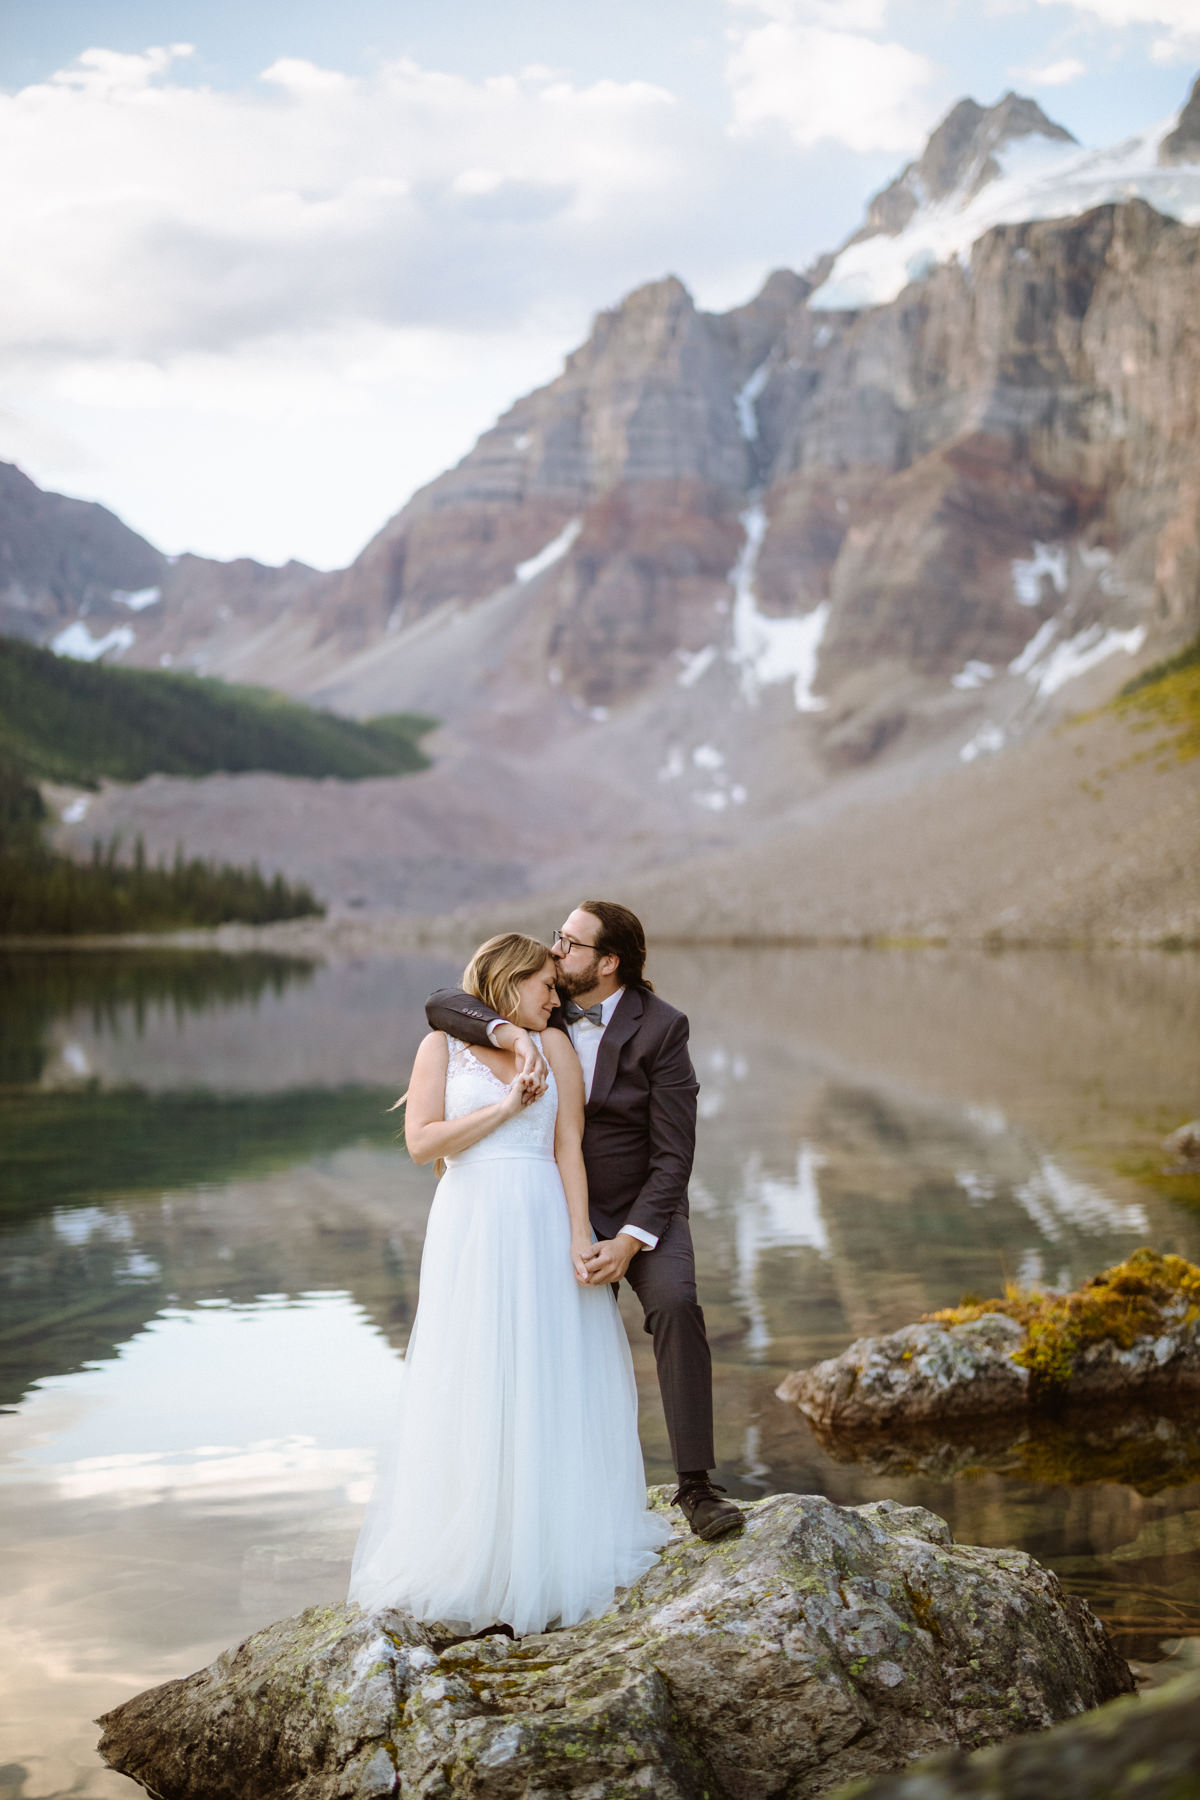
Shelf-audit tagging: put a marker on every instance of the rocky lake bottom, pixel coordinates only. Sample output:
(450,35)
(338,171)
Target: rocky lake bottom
(210,1245)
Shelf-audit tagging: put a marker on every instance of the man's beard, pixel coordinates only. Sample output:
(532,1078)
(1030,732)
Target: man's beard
(571,986)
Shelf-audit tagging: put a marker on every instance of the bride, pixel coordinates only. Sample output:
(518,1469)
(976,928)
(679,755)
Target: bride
(512,1490)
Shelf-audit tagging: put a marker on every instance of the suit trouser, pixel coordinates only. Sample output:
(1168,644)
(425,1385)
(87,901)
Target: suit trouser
(664,1280)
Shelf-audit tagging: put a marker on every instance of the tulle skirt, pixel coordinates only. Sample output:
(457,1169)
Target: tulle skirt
(512,1487)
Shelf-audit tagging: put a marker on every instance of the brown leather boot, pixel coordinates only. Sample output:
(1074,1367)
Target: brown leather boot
(708,1515)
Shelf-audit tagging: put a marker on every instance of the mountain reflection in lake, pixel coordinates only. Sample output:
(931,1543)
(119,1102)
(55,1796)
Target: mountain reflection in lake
(211,1244)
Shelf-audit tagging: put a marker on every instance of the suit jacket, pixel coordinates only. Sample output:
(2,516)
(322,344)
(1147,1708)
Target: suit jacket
(640,1126)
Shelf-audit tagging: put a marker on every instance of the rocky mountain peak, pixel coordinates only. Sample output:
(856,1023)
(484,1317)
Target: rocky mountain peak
(1183,144)
(644,327)
(60,558)
(960,158)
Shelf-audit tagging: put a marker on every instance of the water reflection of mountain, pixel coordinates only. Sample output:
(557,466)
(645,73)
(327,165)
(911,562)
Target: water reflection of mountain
(879,1134)
(139,1092)
(115,1203)
(292,1025)
(118,994)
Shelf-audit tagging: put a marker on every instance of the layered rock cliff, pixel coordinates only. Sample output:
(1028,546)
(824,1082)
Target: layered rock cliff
(724,561)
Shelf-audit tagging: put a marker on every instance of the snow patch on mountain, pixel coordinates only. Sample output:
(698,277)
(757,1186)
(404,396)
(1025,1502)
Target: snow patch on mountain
(1038,179)
(1081,653)
(744,401)
(1047,559)
(765,649)
(987,740)
(696,664)
(552,552)
(973,674)
(1048,666)
(78,643)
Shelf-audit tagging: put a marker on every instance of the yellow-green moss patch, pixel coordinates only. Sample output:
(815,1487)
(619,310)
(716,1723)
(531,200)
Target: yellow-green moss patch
(1164,699)
(1137,1298)
(1173,1184)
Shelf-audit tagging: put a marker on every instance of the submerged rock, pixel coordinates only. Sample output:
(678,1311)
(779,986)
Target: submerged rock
(825,1643)
(1131,1332)
(1145,1748)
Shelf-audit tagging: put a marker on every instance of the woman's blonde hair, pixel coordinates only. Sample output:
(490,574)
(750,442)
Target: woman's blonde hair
(499,966)
(493,973)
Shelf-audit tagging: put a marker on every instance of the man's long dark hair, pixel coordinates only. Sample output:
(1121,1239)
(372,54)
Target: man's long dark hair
(621,935)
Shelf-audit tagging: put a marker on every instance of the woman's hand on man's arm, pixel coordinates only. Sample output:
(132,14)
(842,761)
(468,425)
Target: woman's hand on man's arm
(464,1017)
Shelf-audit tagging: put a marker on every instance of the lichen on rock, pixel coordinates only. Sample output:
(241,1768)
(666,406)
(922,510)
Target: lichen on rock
(824,1643)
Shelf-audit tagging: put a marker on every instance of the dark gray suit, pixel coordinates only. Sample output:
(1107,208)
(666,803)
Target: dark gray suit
(638,1142)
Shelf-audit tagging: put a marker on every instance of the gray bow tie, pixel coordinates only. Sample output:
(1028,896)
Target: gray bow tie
(573,1012)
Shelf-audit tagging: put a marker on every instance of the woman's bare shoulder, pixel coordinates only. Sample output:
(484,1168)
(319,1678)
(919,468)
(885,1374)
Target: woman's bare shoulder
(558,1050)
(434,1048)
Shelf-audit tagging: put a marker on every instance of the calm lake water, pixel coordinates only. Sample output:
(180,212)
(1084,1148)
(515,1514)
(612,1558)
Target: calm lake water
(211,1243)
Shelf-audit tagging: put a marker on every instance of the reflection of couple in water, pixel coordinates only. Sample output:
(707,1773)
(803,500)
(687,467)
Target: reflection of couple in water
(556,1086)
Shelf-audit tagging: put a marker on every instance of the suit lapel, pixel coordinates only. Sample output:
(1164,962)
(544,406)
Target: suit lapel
(618,1031)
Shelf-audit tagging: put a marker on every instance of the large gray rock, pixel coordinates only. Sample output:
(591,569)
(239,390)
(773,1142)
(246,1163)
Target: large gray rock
(1139,1749)
(916,1375)
(824,1644)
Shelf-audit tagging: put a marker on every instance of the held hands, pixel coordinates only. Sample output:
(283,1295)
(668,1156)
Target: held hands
(608,1260)
(519,1093)
(581,1248)
(530,1062)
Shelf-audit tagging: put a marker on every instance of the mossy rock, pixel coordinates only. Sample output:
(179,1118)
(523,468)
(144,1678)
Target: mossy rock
(1147,1296)
(1131,1333)
(823,1643)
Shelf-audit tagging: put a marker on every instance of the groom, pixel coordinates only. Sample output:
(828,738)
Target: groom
(638,1142)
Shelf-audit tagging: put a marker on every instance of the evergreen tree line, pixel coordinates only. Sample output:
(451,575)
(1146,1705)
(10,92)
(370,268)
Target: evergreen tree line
(74,722)
(44,894)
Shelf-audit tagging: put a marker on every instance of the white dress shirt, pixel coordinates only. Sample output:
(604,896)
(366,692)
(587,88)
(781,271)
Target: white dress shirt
(586,1036)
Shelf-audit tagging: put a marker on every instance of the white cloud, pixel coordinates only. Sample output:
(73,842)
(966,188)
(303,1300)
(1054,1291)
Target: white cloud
(809,68)
(1055,74)
(274,285)
(300,445)
(1179,19)
(841,15)
(144,216)
(1176,15)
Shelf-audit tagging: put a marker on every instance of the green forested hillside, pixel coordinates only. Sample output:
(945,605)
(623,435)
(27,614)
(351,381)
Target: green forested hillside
(75,722)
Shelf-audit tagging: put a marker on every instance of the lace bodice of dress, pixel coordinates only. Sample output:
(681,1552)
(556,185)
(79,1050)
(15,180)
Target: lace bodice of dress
(470,1084)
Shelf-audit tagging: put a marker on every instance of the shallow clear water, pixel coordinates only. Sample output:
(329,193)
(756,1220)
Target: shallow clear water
(210,1242)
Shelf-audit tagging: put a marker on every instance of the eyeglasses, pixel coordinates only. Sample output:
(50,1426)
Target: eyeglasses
(569,943)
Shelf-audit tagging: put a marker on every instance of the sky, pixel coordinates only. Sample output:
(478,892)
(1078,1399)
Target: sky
(271,267)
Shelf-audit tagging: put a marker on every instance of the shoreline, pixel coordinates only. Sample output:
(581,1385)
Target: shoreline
(384,934)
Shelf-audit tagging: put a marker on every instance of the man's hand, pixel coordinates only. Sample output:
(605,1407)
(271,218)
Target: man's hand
(530,1061)
(608,1260)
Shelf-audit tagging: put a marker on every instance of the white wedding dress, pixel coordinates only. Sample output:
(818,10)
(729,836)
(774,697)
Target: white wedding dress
(512,1488)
